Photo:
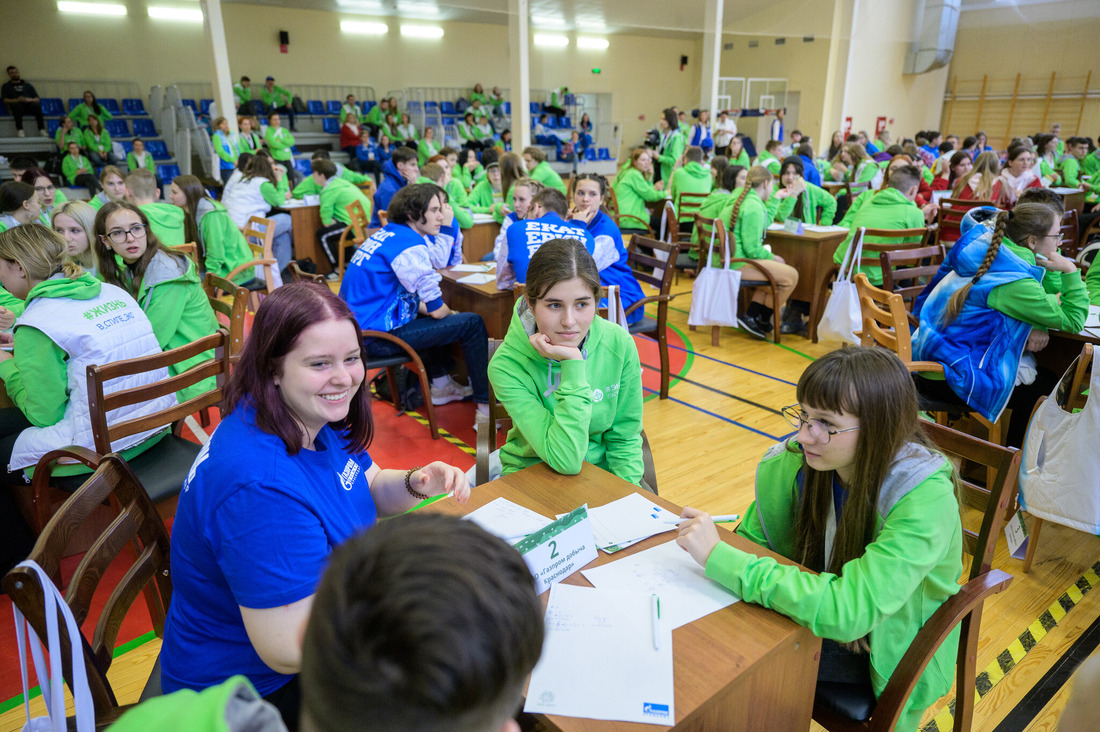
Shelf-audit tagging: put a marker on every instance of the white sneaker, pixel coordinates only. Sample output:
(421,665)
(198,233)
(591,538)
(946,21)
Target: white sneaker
(450,392)
(43,133)
(20,133)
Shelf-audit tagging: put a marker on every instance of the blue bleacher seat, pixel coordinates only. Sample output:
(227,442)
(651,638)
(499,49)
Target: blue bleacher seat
(315,107)
(507,107)
(303,166)
(431,106)
(75,102)
(603,154)
(368,105)
(331,125)
(332,106)
(52,125)
(448,108)
(590,153)
(117,127)
(204,105)
(127,145)
(51,106)
(144,128)
(111,105)
(190,103)
(449,120)
(551,123)
(258,105)
(565,123)
(536,108)
(414,106)
(158,149)
(135,107)
(168,173)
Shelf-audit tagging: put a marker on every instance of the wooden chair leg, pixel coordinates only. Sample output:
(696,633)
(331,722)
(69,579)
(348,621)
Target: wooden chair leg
(666,370)
(776,313)
(391,379)
(1032,542)
(714,332)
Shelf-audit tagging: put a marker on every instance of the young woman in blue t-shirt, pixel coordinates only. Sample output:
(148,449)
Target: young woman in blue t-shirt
(284,479)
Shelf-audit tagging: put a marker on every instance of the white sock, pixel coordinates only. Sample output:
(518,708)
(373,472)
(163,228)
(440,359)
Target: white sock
(441,381)
(483,409)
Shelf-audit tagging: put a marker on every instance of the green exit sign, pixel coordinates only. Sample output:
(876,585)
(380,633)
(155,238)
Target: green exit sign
(596,70)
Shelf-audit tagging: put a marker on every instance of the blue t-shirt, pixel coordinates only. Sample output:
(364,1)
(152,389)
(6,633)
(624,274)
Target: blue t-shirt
(526,236)
(253,528)
(618,272)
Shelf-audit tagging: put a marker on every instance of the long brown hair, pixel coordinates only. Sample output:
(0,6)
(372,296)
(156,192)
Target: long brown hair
(108,267)
(1026,219)
(512,170)
(194,192)
(986,168)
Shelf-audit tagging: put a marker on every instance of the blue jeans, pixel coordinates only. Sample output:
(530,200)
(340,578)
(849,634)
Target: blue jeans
(431,339)
(282,247)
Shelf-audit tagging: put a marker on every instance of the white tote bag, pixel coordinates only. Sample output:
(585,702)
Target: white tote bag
(616,313)
(49,675)
(1060,469)
(842,319)
(714,296)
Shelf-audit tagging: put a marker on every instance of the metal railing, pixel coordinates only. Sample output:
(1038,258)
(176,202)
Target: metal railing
(67,89)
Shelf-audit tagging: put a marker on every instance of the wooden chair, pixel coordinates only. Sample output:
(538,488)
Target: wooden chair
(611,205)
(259,233)
(1071,399)
(353,235)
(950,216)
(854,189)
(646,268)
(383,217)
(191,249)
(389,363)
(234,310)
(1071,235)
(964,609)
(163,467)
(299,275)
(630,221)
(886,324)
(137,526)
(704,227)
(907,271)
(368,188)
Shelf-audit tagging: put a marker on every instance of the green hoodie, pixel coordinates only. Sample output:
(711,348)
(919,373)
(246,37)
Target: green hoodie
(456,195)
(224,244)
(280,142)
(632,191)
(44,404)
(1070,168)
(483,199)
(427,148)
(887,209)
(546,175)
(691,178)
(172,296)
(747,233)
(673,151)
(166,221)
(231,706)
(814,199)
(908,571)
(594,414)
(308,187)
(711,209)
(769,161)
(81,112)
(336,196)
(70,166)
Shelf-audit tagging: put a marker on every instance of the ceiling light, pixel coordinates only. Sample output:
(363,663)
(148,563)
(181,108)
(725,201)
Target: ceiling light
(364,28)
(422,31)
(593,43)
(552,40)
(188,14)
(91,8)
(360,4)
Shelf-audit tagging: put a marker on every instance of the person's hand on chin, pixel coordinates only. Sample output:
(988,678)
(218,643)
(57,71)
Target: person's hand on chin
(541,343)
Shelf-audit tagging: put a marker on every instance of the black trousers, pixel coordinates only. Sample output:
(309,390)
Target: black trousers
(329,237)
(18,111)
(16,537)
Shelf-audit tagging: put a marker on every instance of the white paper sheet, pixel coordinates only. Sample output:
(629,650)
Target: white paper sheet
(628,520)
(1065,191)
(1093,319)
(510,521)
(478,279)
(775,227)
(480,218)
(668,571)
(823,229)
(475,267)
(598,660)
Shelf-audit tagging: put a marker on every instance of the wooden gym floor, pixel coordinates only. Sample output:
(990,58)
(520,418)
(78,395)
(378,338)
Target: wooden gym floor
(707,439)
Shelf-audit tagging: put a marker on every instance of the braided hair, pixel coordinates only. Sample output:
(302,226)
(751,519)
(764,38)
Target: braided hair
(1024,221)
(757,177)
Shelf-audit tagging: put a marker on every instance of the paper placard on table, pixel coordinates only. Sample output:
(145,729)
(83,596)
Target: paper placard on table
(775,227)
(598,660)
(628,520)
(510,521)
(667,571)
(478,279)
(559,549)
(475,267)
(824,229)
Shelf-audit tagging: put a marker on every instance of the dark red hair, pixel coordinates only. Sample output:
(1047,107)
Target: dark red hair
(280,320)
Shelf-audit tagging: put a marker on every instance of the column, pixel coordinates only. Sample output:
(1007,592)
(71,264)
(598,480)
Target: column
(519,57)
(712,57)
(219,59)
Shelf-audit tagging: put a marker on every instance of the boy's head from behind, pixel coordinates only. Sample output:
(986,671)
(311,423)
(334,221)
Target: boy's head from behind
(424,622)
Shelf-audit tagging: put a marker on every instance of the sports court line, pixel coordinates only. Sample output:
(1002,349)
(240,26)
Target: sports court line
(732,365)
(719,391)
(716,416)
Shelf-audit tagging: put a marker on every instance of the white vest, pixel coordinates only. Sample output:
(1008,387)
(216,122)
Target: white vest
(109,327)
(243,199)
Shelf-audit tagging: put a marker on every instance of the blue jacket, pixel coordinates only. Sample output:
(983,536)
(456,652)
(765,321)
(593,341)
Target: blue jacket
(525,237)
(392,182)
(390,275)
(611,259)
(810,172)
(980,350)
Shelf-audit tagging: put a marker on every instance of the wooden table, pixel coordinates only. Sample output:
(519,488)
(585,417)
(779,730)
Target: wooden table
(304,223)
(741,668)
(1072,198)
(479,240)
(833,186)
(811,253)
(493,305)
(1062,349)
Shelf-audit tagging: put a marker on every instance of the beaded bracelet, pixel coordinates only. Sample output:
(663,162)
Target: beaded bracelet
(408,486)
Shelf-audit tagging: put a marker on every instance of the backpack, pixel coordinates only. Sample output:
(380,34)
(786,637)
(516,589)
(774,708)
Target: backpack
(462,105)
(298,105)
(408,388)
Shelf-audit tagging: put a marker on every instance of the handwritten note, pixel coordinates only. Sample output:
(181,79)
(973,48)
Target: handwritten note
(510,521)
(628,520)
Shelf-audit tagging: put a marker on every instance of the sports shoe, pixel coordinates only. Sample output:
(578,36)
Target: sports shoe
(332,277)
(20,133)
(752,326)
(793,327)
(450,392)
(43,133)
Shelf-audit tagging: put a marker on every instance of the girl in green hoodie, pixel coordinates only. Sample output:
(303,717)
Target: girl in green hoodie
(861,498)
(633,190)
(571,381)
(165,283)
(222,246)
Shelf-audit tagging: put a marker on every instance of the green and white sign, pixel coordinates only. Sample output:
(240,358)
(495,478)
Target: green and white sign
(559,549)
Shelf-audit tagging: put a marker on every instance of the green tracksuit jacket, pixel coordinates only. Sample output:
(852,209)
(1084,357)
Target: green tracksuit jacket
(909,569)
(887,209)
(132,164)
(671,154)
(594,414)
(100,144)
(632,192)
(166,221)
(814,199)
(224,244)
(277,97)
(279,141)
(747,233)
(81,112)
(335,198)
(69,166)
(691,178)
(484,200)
(546,175)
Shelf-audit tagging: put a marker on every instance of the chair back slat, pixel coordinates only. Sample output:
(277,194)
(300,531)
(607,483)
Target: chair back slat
(260,235)
(191,249)
(235,311)
(907,271)
(885,320)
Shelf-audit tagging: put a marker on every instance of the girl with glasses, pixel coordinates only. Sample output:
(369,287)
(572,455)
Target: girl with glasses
(859,496)
(165,283)
(48,195)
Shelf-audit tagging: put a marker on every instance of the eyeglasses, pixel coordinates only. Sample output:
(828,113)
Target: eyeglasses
(822,434)
(44,189)
(118,236)
(1057,237)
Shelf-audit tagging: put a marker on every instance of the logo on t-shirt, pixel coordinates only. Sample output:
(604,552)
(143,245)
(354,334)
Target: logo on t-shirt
(351,472)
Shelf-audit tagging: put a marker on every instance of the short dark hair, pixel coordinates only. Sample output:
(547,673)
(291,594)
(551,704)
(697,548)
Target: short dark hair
(320,154)
(245,78)
(410,629)
(22,162)
(947,147)
(13,194)
(324,166)
(729,176)
(12,67)
(445,151)
(1044,196)
(903,177)
(403,155)
(411,202)
(280,320)
(693,154)
(558,260)
(551,199)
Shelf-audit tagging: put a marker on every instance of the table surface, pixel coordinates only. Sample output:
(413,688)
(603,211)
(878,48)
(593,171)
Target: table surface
(743,667)
(492,304)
